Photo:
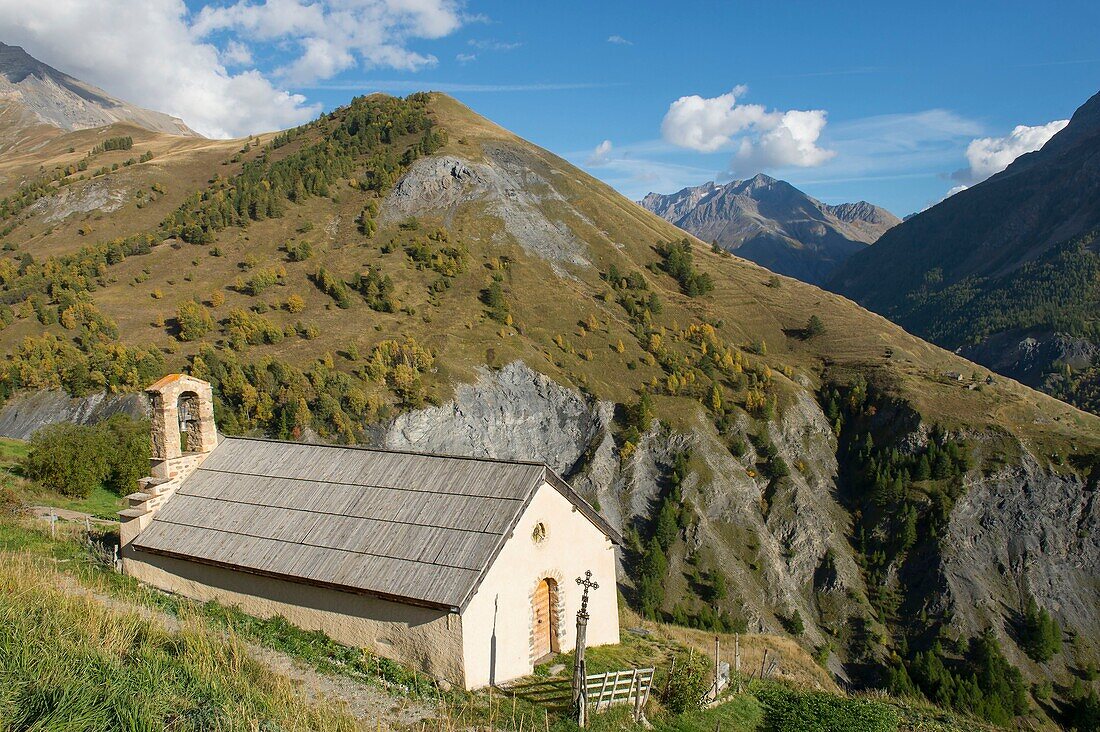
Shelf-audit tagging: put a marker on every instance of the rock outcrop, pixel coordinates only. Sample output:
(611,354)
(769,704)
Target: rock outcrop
(1024,531)
(518,413)
(514,193)
(24,414)
(1021,533)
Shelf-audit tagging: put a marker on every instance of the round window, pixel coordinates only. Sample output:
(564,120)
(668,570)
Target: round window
(538,534)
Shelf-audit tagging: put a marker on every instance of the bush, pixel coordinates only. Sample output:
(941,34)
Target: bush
(1040,636)
(10,502)
(686,683)
(787,711)
(68,458)
(678,262)
(75,459)
(1085,713)
(128,452)
(194,321)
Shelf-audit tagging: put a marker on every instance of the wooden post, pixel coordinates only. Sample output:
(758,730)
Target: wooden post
(737,652)
(53,525)
(717,656)
(636,686)
(580,669)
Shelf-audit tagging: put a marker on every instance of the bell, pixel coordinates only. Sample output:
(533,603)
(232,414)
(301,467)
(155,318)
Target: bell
(184,414)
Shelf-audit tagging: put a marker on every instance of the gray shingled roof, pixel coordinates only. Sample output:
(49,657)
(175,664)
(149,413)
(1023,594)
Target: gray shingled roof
(411,527)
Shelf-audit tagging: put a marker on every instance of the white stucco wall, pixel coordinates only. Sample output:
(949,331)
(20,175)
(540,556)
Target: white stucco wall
(497,623)
(423,638)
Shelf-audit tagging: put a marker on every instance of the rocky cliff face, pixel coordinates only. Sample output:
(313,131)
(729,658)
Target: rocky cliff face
(774,224)
(769,545)
(1020,532)
(511,190)
(24,414)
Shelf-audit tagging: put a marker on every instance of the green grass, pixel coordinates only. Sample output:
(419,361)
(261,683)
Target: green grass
(101,665)
(12,451)
(742,713)
(101,503)
(69,663)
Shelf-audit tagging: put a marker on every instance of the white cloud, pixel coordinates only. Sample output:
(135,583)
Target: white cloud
(619,41)
(236,53)
(145,52)
(492,45)
(198,66)
(600,155)
(465,58)
(955,189)
(791,142)
(989,155)
(330,36)
(763,139)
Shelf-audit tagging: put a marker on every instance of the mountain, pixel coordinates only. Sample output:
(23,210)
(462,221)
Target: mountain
(774,224)
(34,95)
(1007,271)
(405,273)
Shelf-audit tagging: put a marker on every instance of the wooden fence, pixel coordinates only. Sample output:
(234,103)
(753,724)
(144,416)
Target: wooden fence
(619,687)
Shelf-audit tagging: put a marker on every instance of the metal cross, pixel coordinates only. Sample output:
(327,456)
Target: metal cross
(587,583)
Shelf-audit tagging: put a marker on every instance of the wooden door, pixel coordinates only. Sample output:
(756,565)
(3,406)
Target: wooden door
(541,608)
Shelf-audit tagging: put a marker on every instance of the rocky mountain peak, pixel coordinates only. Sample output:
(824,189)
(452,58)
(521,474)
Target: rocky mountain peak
(51,97)
(774,224)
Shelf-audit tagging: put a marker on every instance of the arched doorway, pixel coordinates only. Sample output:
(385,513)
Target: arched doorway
(544,606)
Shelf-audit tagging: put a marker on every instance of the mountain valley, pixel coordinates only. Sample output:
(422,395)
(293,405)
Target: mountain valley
(405,273)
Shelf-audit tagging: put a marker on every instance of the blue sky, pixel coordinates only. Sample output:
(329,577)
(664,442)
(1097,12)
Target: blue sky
(847,100)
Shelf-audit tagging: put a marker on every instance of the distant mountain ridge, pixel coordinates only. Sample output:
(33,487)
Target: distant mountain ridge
(1007,271)
(774,224)
(38,94)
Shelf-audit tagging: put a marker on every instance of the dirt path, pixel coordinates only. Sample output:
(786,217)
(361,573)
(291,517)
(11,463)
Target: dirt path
(372,706)
(44,512)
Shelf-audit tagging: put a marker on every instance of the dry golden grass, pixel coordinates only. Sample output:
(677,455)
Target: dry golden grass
(71,662)
(544,305)
(795,664)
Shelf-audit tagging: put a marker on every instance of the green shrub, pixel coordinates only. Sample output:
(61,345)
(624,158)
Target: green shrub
(194,321)
(686,684)
(68,458)
(74,459)
(1040,634)
(678,262)
(787,711)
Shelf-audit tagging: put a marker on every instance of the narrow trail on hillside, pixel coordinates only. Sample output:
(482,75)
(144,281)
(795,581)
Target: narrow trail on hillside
(373,707)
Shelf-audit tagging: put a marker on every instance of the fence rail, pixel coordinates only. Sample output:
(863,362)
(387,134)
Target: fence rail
(619,687)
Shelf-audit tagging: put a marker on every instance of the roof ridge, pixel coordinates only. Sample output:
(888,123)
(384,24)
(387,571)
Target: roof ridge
(392,451)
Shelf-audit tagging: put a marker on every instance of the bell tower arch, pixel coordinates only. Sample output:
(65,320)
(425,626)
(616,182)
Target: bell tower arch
(182,429)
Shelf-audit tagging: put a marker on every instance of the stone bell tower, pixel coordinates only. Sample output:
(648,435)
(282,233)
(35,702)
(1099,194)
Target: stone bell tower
(182,434)
(183,430)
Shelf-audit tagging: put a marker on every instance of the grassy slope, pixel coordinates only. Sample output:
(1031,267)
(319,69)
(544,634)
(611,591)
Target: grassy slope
(72,658)
(71,663)
(544,305)
(749,309)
